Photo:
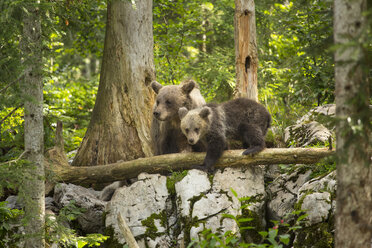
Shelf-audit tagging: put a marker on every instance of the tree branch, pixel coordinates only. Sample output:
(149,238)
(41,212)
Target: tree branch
(15,160)
(10,113)
(180,161)
(124,228)
(15,81)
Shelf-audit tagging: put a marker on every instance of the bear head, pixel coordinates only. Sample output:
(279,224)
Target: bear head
(195,123)
(170,98)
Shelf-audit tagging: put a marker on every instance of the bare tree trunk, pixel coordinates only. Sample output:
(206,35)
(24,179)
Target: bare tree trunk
(120,125)
(354,171)
(33,189)
(246,58)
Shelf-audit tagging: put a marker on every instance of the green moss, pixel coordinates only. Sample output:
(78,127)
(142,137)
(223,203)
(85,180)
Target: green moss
(149,223)
(298,204)
(251,235)
(324,167)
(188,223)
(173,179)
(111,242)
(316,236)
(211,177)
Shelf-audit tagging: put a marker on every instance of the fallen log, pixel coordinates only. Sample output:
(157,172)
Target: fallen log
(181,161)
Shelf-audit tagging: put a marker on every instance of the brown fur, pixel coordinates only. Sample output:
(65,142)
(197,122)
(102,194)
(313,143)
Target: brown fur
(165,131)
(239,119)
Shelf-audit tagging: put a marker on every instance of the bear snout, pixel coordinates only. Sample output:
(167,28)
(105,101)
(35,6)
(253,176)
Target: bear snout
(156,114)
(191,141)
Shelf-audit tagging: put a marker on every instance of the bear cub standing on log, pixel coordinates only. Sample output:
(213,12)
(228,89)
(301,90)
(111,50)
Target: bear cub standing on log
(165,128)
(239,119)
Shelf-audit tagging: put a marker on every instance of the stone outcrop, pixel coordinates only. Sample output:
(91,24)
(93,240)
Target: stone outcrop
(157,217)
(91,220)
(312,129)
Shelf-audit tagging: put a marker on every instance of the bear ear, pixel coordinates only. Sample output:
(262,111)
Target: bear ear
(156,86)
(204,113)
(182,112)
(188,86)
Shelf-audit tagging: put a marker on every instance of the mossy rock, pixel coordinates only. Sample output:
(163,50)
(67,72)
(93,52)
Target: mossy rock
(173,179)
(251,235)
(111,242)
(316,236)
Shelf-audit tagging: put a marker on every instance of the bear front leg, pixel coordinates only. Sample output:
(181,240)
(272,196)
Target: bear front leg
(216,146)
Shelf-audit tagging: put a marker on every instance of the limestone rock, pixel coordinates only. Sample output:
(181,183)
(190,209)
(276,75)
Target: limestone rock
(316,196)
(305,134)
(209,201)
(312,128)
(192,185)
(143,202)
(13,203)
(91,221)
(315,113)
(283,191)
(327,183)
(317,207)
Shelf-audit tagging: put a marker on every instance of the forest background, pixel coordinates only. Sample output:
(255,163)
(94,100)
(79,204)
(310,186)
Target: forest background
(192,39)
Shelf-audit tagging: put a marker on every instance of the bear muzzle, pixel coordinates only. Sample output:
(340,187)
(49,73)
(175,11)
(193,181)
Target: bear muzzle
(156,114)
(191,141)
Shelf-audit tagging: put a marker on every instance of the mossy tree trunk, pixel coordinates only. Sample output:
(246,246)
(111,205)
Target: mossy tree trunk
(120,124)
(354,171)
(246,58)
(33,190)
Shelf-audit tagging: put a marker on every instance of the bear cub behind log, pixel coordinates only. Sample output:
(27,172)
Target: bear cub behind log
(165,128)
(239,119)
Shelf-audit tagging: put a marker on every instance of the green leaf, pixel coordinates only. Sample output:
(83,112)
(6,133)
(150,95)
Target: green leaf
(234,192)
(284,238)
(242,220)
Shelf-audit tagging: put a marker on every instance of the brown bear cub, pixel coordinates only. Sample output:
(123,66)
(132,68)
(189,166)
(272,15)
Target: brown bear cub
(166,133)
(239,119)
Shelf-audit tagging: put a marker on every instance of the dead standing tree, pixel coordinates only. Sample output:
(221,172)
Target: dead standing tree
(246,58)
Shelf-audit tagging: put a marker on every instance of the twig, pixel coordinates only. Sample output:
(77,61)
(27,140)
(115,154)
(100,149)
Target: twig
(14,160)
(124,228)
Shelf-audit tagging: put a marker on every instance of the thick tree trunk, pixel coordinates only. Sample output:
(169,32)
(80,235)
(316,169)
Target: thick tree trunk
(120,125)
(32,190)
(182,161)
(246,58)
(354,171)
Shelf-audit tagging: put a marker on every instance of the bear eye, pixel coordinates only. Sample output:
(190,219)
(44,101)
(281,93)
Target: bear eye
(187,130)
(168,102)
(157,102)
(196,130)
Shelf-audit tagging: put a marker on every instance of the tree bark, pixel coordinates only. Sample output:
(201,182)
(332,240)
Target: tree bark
(353,131)
(120,124)
(182,161)
(32,190)
(246,58)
